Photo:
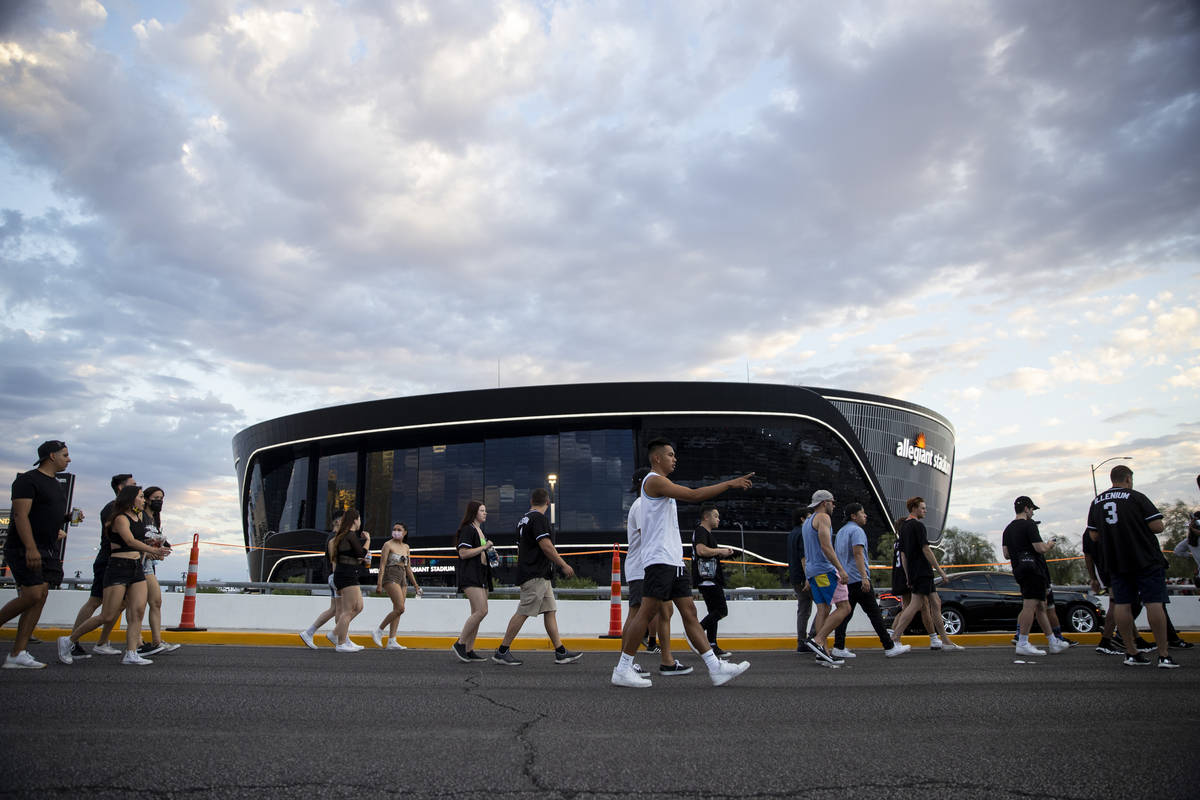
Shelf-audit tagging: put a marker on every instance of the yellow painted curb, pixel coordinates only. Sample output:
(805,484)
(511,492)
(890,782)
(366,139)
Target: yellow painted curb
(419,641)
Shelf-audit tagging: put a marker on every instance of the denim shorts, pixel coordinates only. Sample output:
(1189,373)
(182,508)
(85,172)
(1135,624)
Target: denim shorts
(1149,585)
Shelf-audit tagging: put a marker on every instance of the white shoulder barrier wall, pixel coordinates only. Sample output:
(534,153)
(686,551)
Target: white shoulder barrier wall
(220,611)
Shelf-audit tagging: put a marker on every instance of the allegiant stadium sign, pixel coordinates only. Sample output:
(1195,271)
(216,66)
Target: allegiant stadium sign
(918,454)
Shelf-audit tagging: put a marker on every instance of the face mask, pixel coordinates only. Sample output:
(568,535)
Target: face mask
(154,505)
(397,535)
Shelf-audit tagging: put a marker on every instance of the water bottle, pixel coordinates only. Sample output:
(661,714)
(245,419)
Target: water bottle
(493,557)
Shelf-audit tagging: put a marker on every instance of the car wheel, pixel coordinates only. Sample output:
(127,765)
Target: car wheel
(1082,619)
(952,618)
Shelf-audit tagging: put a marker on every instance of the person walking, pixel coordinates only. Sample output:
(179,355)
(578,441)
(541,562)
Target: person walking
(99,565)
(124,580)
(347,555)
(795,556)
(665,577)
(395,574)
(850,544)
(1126,524)
(1022,545)
(39,516)
(917,565)
(708,574)
(308,633)
(536,559)
(635,575)
(473,574)
(826,576)
(154,536)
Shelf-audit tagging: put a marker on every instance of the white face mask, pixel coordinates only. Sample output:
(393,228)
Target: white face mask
(397,535)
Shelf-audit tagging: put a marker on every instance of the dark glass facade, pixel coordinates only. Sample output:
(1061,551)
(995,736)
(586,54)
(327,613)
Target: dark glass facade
(420,460)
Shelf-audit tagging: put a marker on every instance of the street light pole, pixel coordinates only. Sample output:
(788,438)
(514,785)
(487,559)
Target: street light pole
(1095,489)
(552,479)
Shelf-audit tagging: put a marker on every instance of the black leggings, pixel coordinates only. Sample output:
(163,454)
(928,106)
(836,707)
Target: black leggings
(718,609)
(866,601)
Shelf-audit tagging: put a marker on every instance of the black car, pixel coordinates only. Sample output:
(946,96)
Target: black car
(990,601)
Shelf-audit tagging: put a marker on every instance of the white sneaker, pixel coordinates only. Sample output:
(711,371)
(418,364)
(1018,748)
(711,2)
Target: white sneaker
(131,657)
(935,643)
(377,637)
(727,671)
(64,649)
(897,649)
(950,646)
(167,647)
(355,644)
(306,637)
(348,647)
(1057,646)
(22,660)
(106,649)
(629,679)
(332,639)
(841,652)
(394,645)
(1028,649)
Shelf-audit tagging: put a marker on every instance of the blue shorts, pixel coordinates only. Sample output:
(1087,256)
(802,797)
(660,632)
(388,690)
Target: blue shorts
(822,587)
(1149,585)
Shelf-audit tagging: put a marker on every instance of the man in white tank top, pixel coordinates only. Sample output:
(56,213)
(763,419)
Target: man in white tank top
(660,628)
(661,557)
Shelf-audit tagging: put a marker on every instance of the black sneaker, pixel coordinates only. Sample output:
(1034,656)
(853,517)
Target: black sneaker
(1137,660)
(1178,644)
(653,649)
(506,658)
(473,656)
(646,642)
(565,656)
(674,669)
(1166,662)
(1014,640)
(818,650)
(149,649)
(1071,642)
(719,653)
(1143,646)
(639,669)
(460,652)
(1109,648)
(78,652)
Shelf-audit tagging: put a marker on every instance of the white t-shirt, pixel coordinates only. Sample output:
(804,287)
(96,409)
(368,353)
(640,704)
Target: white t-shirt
(1184,549)
(660,530)
(634,571)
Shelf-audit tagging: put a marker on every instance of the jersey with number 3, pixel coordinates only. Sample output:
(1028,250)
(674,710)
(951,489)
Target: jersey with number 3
(1121,517)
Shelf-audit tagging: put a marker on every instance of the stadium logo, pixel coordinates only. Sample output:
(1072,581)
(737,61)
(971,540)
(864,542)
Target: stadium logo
(918,454)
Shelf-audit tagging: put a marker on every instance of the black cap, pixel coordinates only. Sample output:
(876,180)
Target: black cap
(1022,503)
(48,448)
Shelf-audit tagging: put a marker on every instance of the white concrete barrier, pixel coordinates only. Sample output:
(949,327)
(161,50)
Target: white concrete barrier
(445,616)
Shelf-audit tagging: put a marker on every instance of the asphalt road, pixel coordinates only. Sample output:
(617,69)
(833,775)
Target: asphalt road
(271,722)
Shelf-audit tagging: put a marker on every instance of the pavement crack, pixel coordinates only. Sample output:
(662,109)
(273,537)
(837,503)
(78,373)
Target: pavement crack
(522,732)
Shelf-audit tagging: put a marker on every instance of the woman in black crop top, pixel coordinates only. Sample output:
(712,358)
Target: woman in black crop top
(474,577)
(347,553)
(124,581)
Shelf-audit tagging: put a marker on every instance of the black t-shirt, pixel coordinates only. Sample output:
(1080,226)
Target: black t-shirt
(1019,537)
(704,536)
(105,515)
(472,571)
(1094,550)
(532,562)
(47,512)
(1128,544)
(912,541)
(795,545)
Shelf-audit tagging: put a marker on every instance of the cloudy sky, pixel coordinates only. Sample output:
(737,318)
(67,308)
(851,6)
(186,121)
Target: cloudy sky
(216,213)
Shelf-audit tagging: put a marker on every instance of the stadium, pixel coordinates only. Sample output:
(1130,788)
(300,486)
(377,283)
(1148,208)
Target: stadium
(419,460)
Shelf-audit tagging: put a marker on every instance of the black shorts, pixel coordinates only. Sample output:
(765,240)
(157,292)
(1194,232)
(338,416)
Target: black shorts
(23,575)
(1148,585)
(899,581)
(1033,585)
(922,585)
(343,578)
(123,572)
(635,593)
(98,579)
(666,582)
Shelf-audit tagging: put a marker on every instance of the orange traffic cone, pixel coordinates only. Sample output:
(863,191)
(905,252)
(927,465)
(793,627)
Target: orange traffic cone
(187,620)
(614,608)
